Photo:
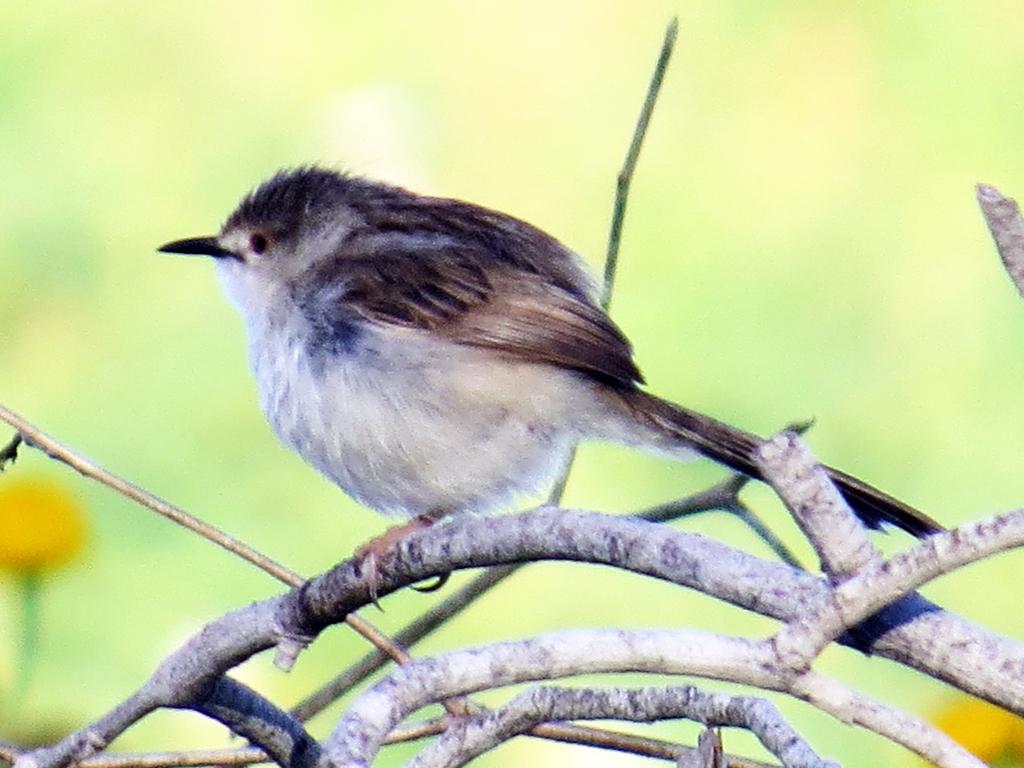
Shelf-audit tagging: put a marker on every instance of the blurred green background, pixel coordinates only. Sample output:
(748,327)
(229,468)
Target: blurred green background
(802,241)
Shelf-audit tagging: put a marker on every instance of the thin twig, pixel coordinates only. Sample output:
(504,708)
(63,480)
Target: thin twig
(629,743)
(724,497)
(754,522)
(625,177)
(36,438)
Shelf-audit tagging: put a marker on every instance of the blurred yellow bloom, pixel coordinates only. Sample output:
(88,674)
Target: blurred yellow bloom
(41,524)
(987,731)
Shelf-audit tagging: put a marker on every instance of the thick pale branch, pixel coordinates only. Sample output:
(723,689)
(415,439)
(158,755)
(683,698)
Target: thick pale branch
(880,584)
(473,736)
(195,758)
(361,730)
(849,706)
(877,584)
(721,496)
(359,734)
(835,532)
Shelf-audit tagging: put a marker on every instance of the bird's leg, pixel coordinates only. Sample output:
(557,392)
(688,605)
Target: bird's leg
(369,554)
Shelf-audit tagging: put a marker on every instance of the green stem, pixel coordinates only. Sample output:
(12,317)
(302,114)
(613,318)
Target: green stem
(28,652)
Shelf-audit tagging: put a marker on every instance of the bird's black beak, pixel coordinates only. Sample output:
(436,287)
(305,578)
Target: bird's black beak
(198,246)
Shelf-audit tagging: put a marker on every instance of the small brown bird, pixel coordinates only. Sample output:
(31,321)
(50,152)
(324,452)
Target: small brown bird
(433,357)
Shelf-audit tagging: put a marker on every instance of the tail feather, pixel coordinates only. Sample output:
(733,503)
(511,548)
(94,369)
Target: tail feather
(734,448)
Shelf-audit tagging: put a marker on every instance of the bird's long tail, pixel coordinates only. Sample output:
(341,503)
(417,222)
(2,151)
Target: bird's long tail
(734,448)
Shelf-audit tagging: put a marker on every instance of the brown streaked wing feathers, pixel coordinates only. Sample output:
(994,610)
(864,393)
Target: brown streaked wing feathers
(539,323)
(402,289)
(468,296)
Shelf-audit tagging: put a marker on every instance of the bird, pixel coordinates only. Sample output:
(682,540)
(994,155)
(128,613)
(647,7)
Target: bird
(433,357)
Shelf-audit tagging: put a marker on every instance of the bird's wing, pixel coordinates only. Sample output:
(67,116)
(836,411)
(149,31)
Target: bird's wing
(467,293)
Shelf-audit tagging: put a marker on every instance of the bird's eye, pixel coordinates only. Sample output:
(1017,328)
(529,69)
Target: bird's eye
(258,243)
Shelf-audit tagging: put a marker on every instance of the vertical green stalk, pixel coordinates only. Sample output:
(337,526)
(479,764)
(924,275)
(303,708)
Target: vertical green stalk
(28,652)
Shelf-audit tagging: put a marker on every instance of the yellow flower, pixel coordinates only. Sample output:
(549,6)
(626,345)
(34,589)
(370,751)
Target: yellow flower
(41,524)
(984,729)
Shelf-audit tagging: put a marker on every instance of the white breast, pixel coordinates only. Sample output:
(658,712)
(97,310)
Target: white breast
(410,426)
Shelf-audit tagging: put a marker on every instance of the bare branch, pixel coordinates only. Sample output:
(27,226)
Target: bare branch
(838,536)
(570,733)
(36,438)
(1007,227)
(849,706)
(882,583)
(204,757)
(473,736)
(358,735)
(190,759)
(912,631)
(722,496)
(94,738)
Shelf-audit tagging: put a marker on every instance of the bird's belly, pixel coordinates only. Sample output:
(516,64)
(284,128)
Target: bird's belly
(416,427)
